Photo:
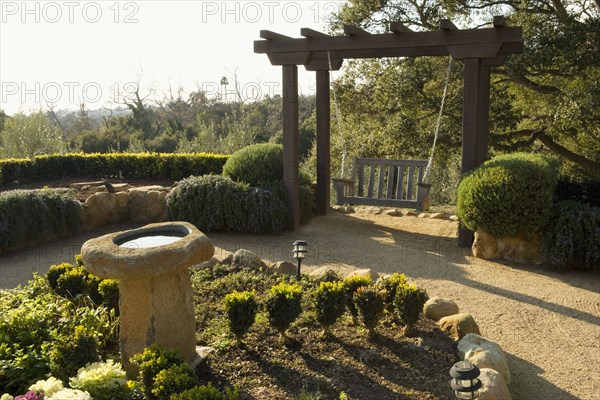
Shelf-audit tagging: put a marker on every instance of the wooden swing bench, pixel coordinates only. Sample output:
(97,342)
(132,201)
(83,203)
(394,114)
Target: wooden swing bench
(388,183)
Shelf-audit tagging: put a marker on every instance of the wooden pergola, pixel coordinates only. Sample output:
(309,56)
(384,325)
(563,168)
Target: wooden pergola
(477,49)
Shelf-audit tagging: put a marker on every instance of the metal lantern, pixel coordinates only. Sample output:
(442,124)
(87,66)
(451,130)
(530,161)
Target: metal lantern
(465,382)
(300,250)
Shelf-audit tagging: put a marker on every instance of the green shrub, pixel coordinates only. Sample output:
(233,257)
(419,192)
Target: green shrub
(102,380)
(216,203)
(370,305)
(34,321)
(109,290)
(72,283)
(151,362)
(508,195)
(572,239)
(73,353)
(55,271)
(352,283)
(176,379)
(132,166)
(390,285)
(330,303)
(207,392)
(284,305)
(409,301)
(241,310)
(256,165)
(28,216)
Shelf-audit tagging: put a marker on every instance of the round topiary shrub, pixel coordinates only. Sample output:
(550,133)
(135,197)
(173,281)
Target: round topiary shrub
(207,392)
(55,272)
(283,306)
(173,380)
(370,305)
(409,302)
(352,283)
(508,195)
(240,308)
(330,303)
(390,285)
(572,239)
(256,165)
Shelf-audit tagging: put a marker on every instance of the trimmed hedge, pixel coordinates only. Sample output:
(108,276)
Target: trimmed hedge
(256,165)
(508,195)
(136,166)
(27,216)
(572,239)
(216,203)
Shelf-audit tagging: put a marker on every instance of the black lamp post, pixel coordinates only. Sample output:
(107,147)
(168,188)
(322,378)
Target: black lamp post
(464,380)
(300,250)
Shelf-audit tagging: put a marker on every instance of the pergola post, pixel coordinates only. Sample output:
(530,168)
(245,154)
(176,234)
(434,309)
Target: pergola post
(476,104)
(323,142)
(290,143)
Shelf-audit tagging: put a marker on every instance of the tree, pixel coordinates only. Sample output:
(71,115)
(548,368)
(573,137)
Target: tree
(30,135)
(547,98)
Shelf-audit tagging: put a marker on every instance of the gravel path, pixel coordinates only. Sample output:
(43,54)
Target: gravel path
(547,323)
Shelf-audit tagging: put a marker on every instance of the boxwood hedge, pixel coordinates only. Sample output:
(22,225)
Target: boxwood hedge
(508,195)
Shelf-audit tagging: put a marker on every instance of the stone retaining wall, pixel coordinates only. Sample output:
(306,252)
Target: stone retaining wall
(142,204)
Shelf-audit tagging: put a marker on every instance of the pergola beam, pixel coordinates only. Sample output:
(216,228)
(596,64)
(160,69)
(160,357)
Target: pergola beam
(312,34)
(352,30)
(398,27)
(447,25)
(390,41)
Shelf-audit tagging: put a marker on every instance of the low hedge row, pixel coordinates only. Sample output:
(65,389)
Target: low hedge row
(216,203)
(32,215)
(138,166)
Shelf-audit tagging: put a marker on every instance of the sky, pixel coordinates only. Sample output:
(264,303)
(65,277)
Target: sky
(62,53)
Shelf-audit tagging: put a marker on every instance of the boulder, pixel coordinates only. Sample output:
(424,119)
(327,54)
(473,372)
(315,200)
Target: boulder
(284,268)
(322,272)
(454,218)
(485,246)
(493,386)
(437,308)
(364,272)
(423,215)
(247,260)
(484,353)
(393,213)
(348,210)
(410,213)
(521,250)
(122,199)
(439,216)
(100,207)
(459,325)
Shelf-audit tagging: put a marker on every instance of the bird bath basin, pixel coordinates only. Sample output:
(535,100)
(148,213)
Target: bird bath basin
(151,264)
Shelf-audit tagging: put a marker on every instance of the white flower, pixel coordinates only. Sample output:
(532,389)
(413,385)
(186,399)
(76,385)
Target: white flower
(100,379)
(6,396)
(48,387)
(70,394)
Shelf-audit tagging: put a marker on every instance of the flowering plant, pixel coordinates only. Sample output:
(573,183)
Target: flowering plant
(47,387)
(30,395)
(102,380)
(69,394)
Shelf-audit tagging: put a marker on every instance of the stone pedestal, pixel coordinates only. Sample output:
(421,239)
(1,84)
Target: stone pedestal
(156,302)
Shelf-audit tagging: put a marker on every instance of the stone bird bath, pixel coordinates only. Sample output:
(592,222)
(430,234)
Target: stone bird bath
(151,264)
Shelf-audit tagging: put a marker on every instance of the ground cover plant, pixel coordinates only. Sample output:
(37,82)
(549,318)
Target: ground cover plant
(62,344)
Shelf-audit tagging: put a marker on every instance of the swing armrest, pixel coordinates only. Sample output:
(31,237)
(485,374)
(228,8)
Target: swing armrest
(344,188)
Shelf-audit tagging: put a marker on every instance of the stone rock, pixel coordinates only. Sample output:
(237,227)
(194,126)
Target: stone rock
(100,207)
(443,216)
(410,213)
(338,208)
(374,275)
(248,260)
(484,353)
(152,197)
(459,325)
(138,205)
(207,264)
(493,386)
(122,199)
(284,268)
(437,308)
(227,260)
(348,210)
(521,250)
(423,216)
(454,218)
(152,187)
(517,249)
(485,246)
(393,213)
(375,210)
(120,187)
(321,272)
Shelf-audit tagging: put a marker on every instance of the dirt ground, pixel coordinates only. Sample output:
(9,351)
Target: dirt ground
(547,323)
